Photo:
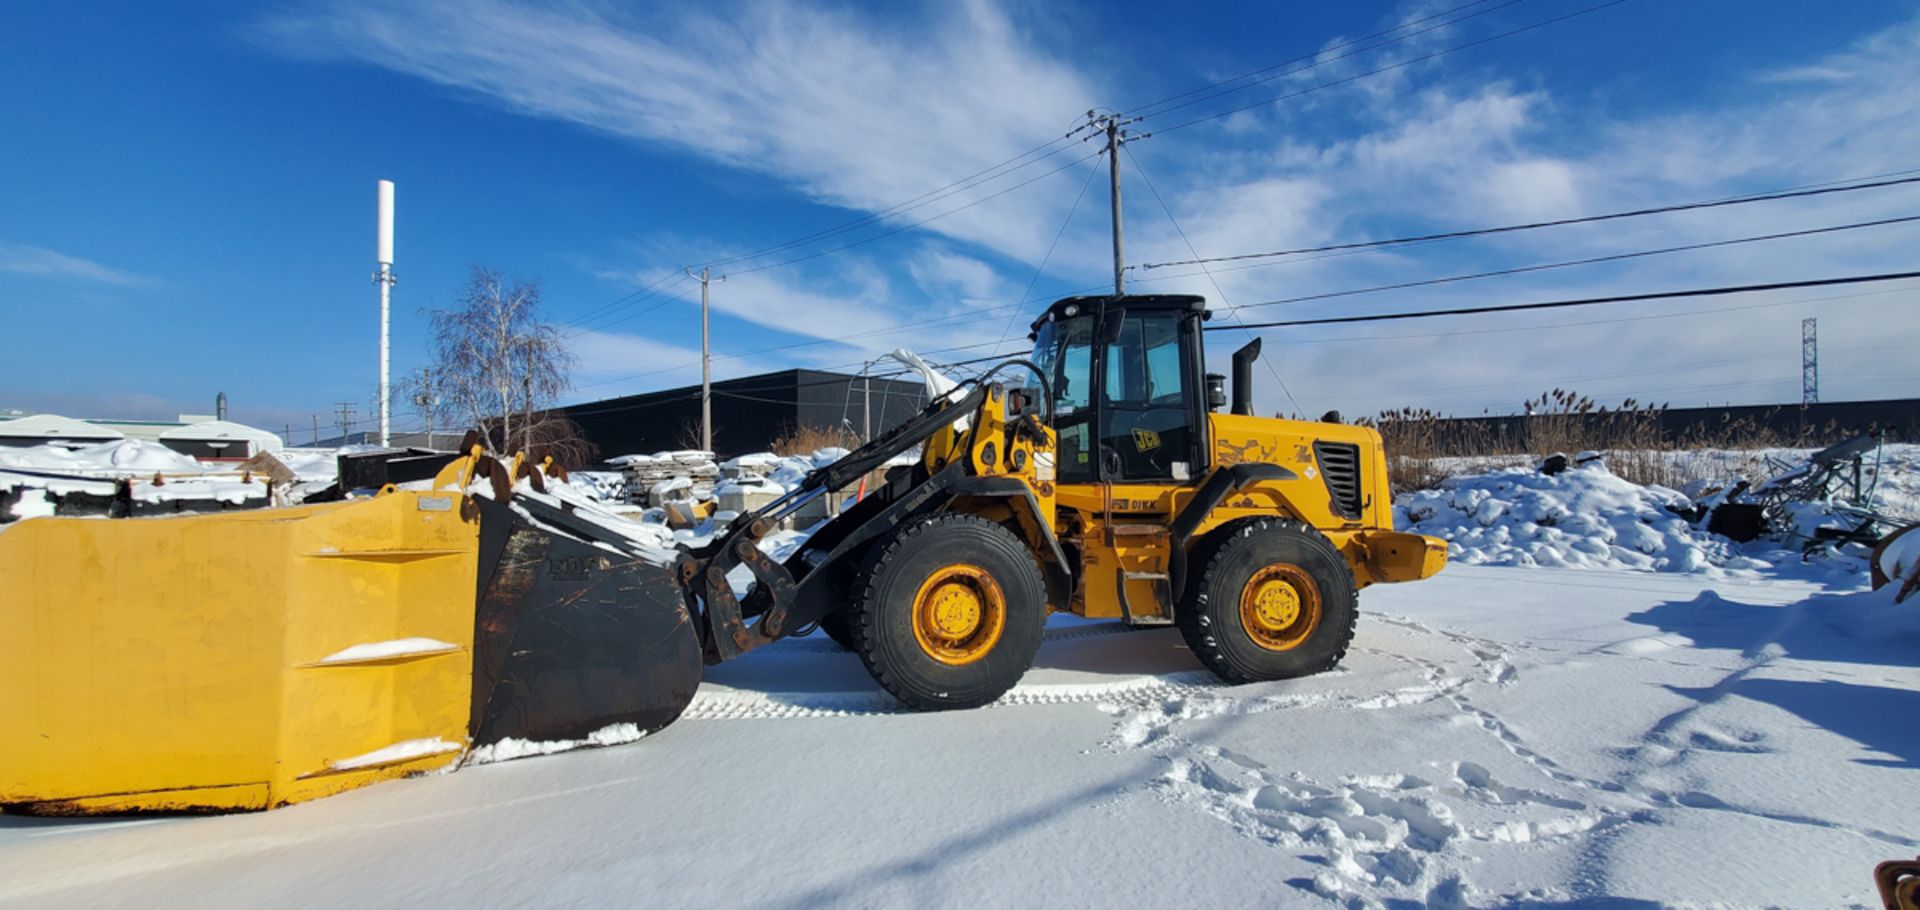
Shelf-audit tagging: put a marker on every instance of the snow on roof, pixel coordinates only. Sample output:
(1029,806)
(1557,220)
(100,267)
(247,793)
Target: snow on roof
(54,426)
(225,430)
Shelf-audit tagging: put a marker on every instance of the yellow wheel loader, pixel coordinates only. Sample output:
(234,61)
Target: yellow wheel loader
(248,660)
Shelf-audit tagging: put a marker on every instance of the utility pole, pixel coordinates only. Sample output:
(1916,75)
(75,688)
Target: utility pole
(706,366)
(1809,361)
(316,428)
(1113,171)
(1114,128)
(346,419)
(866,401)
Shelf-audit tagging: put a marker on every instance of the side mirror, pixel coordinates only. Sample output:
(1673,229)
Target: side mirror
(1216,391)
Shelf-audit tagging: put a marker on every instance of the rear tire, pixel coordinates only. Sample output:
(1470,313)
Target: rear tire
(1274,599)
(949,613)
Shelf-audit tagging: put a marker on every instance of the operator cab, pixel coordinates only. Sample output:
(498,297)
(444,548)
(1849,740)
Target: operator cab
(1128,383)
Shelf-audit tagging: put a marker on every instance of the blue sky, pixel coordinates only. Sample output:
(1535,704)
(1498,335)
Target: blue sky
(188,188)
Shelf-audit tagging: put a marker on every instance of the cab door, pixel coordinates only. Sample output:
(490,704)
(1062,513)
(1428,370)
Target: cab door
(1149,413)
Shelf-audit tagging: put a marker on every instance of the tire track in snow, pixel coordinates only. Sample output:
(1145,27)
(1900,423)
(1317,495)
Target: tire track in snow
(720,703)
(744,705)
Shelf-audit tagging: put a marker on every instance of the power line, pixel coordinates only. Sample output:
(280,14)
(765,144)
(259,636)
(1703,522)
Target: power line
(1234,313)
(636,297)
(1510,228)
(672,297)
(1644,317)
(1584,301)
(1041,269)
(1418,241)
(1615,257)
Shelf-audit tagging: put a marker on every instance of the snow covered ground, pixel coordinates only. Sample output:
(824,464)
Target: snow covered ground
(1596,705)
(1499,736)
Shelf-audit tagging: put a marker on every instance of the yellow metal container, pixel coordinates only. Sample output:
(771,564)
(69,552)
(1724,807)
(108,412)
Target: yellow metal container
(243,660)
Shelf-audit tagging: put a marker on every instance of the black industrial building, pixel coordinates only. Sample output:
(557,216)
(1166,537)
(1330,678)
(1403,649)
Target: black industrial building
(748,413)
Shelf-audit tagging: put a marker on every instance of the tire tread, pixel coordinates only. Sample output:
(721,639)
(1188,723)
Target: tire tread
(1195,616)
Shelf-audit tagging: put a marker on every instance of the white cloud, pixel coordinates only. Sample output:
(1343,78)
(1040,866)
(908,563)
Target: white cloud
(21,259)
(851,113)
(1448,159)
(606,354)
(942,273)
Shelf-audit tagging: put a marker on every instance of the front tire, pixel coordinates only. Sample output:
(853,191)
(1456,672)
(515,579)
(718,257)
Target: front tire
(949,613)
(1273,600)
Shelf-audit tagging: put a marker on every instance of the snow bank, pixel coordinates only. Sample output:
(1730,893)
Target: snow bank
(119,456)
(155,474)
(316,466)
(1583,517)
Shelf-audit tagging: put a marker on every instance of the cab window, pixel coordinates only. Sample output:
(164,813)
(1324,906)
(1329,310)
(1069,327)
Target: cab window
(1147,419)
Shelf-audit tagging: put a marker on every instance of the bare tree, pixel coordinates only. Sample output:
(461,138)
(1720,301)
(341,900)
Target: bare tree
(498,367)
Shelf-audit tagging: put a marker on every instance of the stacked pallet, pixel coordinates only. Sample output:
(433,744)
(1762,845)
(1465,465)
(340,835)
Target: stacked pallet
(654,480)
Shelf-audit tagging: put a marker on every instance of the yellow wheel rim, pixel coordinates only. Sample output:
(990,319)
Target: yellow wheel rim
(1280,607)
(958,614)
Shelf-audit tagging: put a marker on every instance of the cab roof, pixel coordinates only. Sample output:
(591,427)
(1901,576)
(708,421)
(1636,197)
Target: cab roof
(1092,303)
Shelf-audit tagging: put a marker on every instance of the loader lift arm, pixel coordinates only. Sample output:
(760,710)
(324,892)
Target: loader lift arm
(795,594)
(782,598)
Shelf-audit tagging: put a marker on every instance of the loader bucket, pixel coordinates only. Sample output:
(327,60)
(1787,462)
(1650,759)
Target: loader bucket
(246,660)
(571,637)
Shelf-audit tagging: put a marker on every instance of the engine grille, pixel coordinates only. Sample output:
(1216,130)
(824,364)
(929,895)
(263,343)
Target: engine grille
(1340,470)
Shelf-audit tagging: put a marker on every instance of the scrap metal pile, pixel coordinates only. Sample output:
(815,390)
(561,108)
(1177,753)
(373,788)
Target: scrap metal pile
(1823,502)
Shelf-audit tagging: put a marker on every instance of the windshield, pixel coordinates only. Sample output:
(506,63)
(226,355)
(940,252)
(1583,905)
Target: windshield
(1064,352)
(1063,349)
(1046,356)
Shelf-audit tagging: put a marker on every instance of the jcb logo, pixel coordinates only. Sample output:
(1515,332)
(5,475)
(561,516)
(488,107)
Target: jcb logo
(569,568)
(1145,440)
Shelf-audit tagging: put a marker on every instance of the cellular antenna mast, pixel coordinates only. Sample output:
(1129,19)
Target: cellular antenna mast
(383,276)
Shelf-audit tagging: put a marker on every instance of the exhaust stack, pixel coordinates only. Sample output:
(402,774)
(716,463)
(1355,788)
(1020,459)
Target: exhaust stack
(1243,377)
